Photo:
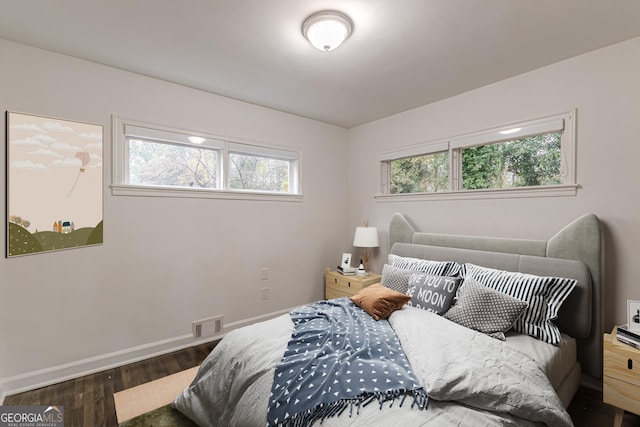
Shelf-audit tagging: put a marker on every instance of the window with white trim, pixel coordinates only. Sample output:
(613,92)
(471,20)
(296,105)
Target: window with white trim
(150,160)
(531,158)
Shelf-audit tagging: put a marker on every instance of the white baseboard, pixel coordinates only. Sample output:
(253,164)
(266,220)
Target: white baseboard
(56,374)
(239,324)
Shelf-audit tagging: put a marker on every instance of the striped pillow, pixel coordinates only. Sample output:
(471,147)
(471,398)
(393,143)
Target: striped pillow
(545,295)
(435,268)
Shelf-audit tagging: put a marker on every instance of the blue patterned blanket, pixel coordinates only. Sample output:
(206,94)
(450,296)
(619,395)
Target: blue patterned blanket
(339,357)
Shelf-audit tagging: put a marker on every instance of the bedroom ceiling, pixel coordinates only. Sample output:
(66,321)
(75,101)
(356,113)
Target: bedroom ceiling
(402,54)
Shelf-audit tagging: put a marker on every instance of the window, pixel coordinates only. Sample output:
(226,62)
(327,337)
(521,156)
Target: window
(525,159)
(164,164)
(523,162)
(425,173)
(154,161)
(251,168)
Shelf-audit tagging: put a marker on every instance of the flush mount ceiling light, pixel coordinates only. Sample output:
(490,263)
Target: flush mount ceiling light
(326,30)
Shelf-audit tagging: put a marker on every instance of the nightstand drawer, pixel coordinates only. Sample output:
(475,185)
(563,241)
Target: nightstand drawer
(621,394)
(345,282)
(332,292)
(337,285)
(621,363)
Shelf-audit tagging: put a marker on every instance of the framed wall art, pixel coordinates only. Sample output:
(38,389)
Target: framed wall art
(54,184)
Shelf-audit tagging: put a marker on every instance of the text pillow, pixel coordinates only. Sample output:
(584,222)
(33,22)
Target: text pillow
(432,293)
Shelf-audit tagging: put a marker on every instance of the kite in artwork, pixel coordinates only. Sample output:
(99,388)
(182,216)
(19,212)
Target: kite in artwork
(85,158)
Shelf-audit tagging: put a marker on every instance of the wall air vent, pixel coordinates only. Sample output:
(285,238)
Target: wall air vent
(207,328)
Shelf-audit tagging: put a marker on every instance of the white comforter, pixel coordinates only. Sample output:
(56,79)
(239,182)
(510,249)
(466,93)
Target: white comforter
(471,379)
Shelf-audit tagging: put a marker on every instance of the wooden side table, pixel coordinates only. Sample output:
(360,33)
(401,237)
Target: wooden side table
(621,377)
(338,285)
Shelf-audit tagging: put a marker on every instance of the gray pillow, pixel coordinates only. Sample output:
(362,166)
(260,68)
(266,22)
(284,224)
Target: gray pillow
(396,278)
(432,293)
(544,295)
(485,310)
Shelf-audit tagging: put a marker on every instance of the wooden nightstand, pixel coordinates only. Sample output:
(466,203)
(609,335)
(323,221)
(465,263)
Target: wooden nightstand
(621,377)
(337,285)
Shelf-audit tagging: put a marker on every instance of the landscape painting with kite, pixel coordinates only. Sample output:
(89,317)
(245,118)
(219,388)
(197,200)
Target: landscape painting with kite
(54,184)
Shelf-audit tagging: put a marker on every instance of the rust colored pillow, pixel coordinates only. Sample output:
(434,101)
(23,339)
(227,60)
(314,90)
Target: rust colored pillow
(379,301)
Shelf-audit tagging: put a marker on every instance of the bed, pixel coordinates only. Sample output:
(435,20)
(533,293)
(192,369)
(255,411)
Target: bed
(468,376)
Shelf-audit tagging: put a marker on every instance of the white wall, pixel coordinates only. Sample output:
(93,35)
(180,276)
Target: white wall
(604,86)
(167,262)
(164,262)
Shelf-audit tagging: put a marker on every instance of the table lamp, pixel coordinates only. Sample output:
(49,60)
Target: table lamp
(366,237)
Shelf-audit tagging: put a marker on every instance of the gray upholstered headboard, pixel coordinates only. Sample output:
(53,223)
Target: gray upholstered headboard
(575,252)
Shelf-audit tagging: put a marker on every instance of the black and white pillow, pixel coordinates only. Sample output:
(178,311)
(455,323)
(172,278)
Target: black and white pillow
(396,278)
(436,268)
(544,295)
(432,293)
(485,310)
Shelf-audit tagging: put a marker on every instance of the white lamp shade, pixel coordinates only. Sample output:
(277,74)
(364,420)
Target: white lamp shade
(366,237)
(327,30)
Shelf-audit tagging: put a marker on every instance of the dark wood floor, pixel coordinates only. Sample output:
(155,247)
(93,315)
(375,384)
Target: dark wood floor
(588,410)
(88,401)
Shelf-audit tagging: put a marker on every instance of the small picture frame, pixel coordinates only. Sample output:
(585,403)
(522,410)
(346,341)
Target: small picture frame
(633,314)
(346,260)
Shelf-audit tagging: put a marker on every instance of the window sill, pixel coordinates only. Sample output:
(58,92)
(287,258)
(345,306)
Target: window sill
(497,193)
(198,193)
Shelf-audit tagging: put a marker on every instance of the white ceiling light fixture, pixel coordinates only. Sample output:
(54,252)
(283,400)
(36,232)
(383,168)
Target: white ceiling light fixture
(327,29)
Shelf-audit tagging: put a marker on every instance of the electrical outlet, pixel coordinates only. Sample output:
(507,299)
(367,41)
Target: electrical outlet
(264,273)
(265,293)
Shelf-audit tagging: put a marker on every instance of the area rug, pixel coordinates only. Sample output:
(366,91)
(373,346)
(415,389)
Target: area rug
(164,416)
(148,397)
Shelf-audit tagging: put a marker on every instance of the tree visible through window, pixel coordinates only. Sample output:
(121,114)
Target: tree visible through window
(258,173)
(156,163)
(420,174)
(525,162)
(539,153)
(153,160)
